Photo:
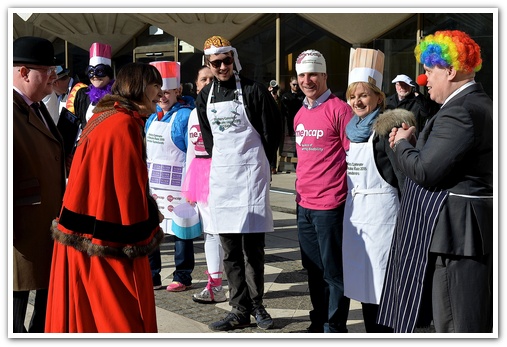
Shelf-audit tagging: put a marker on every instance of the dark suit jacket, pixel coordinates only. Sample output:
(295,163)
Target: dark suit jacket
(38,186)
(455,152)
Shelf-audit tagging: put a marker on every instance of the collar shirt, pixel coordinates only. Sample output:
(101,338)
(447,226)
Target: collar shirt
(317,102)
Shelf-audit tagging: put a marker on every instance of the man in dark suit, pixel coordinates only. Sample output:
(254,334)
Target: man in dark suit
(38,178)
(448,208)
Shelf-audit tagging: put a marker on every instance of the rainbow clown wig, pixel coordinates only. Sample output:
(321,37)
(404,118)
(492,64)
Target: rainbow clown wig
(449,48)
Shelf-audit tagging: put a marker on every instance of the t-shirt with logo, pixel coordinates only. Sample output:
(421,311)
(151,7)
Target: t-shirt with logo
(321,145)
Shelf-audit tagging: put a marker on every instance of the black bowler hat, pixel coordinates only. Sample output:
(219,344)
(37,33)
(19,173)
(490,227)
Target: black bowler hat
(33,50)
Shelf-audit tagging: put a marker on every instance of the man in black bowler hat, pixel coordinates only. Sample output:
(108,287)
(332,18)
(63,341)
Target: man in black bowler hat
(38,178)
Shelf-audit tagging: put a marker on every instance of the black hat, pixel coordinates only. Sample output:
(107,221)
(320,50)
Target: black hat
(33,50)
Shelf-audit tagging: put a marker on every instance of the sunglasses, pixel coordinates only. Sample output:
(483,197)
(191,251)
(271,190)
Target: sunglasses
(217,63)
(98,71)
(294,84)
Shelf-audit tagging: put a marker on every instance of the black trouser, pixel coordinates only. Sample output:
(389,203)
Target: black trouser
(244,268)
(370,312)
(463,294)
(20,304)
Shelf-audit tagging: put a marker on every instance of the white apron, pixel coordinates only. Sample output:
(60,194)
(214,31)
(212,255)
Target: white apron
(166,169)
(240,172)
(368,224)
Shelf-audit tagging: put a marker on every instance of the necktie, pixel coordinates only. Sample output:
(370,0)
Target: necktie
(36,108)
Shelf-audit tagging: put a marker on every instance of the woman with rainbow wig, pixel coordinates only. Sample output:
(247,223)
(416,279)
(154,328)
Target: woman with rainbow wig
(445,225)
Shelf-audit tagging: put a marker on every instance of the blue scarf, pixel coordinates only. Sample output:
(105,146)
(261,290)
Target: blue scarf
(359,129)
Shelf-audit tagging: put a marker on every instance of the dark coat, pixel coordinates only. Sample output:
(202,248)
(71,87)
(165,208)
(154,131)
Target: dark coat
(415,104)
(38,186)
(81,103)
(455,152)
(290,104)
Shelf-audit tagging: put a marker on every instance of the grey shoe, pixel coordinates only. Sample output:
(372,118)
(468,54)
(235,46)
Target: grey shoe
(263,318)
(232,321)
(217,294)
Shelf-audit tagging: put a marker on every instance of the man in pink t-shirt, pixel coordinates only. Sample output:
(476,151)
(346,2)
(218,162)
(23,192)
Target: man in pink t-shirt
(321,187)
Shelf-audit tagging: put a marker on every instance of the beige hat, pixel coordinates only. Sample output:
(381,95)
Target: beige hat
(366,65)
(310,61)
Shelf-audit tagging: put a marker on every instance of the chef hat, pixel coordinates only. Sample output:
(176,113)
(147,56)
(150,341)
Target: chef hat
(170,71)
(217,45)
(366,65)
(186,223)
(310,61)
(100,53)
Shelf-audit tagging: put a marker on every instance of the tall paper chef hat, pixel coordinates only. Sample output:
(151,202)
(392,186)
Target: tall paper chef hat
(366,65)
(170,71)
(100,53)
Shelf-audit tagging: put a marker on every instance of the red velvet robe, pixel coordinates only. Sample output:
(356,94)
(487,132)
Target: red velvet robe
(100,276)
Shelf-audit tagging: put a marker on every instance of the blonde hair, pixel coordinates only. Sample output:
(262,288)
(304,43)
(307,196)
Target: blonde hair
(353,86)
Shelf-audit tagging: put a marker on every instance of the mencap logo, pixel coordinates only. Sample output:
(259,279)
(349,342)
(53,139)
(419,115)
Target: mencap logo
(194,133)
(305,54)
(301,132)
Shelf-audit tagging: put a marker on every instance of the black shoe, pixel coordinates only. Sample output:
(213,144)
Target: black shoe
(315,328)
(263,319)
(232,321)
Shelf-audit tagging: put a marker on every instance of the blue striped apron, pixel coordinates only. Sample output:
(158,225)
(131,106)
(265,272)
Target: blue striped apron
(408,258)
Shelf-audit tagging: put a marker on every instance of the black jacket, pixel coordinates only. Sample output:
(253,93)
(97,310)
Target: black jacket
(415,104)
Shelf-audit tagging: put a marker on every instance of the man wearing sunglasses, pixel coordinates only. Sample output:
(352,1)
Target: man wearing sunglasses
(241,127)
(291,102)
(38,177)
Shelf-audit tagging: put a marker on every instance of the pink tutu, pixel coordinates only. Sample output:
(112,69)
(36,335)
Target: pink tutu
(196,183)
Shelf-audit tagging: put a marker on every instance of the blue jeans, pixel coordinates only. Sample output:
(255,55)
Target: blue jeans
(184,260)
(155,266)
(320,239)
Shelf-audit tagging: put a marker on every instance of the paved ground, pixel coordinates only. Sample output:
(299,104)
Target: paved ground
(286,290)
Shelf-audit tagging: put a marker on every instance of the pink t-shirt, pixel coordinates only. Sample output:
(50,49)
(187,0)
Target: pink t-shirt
(321,143)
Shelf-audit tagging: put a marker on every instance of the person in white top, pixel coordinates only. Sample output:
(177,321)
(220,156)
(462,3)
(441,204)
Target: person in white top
(241,128)
(58,98)
(195,189)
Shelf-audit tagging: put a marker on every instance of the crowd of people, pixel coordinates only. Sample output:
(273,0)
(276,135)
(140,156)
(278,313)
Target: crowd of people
(394,195)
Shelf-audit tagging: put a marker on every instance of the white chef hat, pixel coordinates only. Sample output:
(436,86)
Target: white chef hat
(170,71)
(310,61)
(366,65)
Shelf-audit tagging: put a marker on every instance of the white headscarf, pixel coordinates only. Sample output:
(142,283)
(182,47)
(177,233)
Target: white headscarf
(224,49)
